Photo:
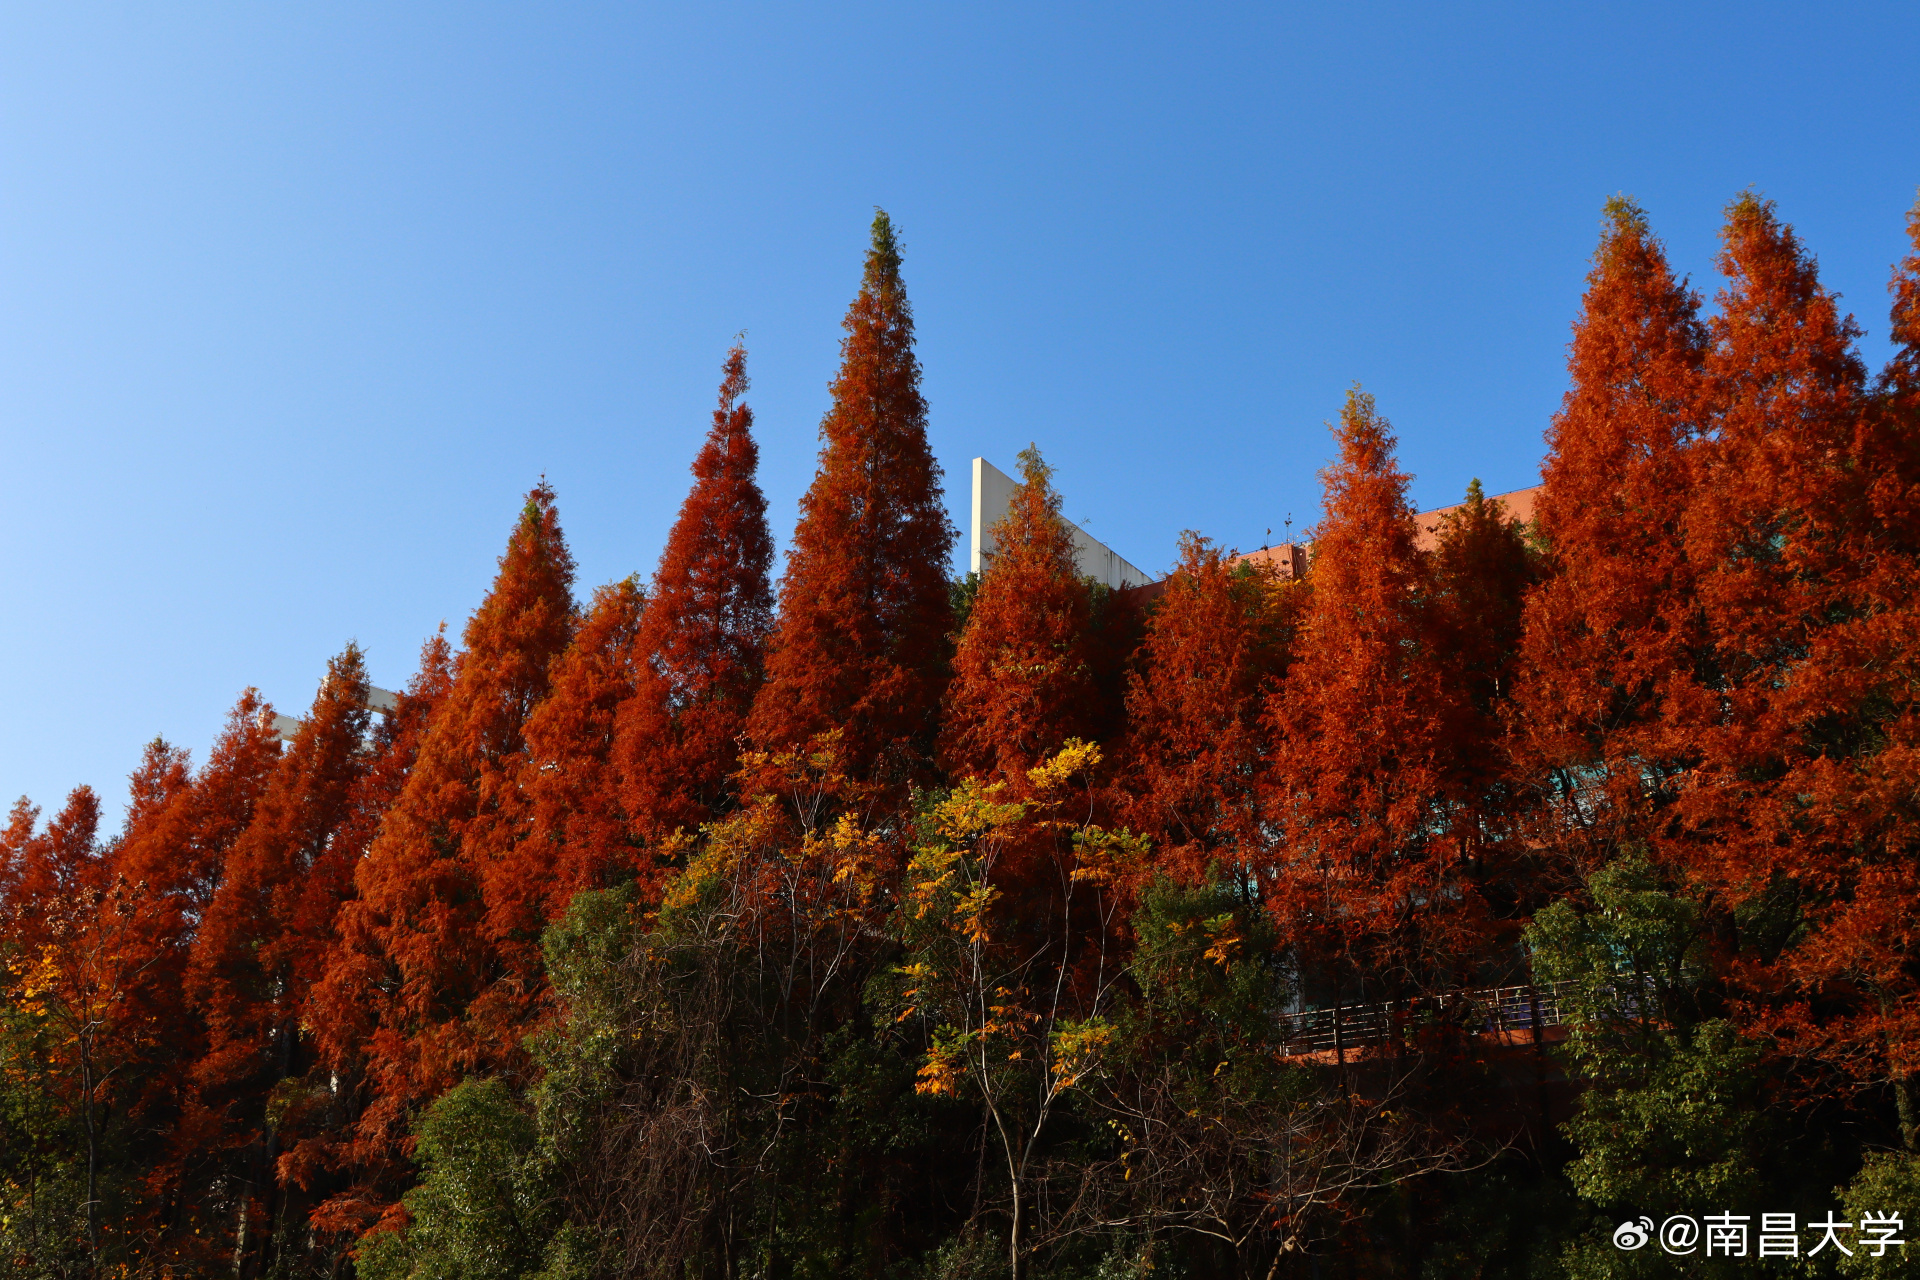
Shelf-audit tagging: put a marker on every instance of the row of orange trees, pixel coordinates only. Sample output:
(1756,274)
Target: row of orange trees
(882,922)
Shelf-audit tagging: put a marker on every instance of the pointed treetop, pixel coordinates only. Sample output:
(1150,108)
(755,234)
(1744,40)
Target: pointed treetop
(883,259)
(1902,374)
(703,638)
(1624,236)
(1625,215)
(531,600)
(1022,673)
(1367,446)
(1036,476)
(1033,529)
(733,378)
(1780,332)
(1753,224)
(865,612)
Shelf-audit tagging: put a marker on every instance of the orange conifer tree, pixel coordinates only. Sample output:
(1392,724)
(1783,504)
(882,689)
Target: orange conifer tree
(1022,681)
(1780,533)
(578,836)
(256,952)
(85,957)
(349,1167)
(414,954)
(180,832)
(1482,572)
(1864,945)
(859,645)
(1363,781)
(702,643)
(13,843)
(1809,566)
(1220,633)
(1610,637)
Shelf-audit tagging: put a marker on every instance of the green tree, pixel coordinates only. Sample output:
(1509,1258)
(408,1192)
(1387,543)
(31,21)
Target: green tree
(482,1210)
(1672,1119)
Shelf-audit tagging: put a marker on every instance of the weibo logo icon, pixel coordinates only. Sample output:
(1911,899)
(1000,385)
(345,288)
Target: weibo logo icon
(1633,1235)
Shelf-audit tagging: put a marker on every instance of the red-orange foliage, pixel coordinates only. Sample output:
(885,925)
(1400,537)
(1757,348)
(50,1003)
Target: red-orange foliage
(1901,378)
(55,870)
(578,836)
(88,949)
(181,829)
(1807,554)
(1780,530)
(1218,636)
(357,1166)
(1610,637)
(1022,681)
(1364,781)
(13,843)
(258,950)
(859,645)
(179,832)
(1482,571)
(286,954)
(702,643)
(414,952)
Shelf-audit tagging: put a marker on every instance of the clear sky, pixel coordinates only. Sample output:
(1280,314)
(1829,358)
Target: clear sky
(297,301)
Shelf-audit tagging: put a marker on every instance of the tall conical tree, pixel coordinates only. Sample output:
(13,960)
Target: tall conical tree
(90,967)
(1865,943)
(1218,636)
(1808,569)
(702,644)
(173,853)
(1022,681)
(1611,637)
(256,950)
(179,834)
(69,968)
(346,1158)
(13,843)
(1782,536)
(859,646)
(1482,572)
(1364,778)
(424,969)
(577,833)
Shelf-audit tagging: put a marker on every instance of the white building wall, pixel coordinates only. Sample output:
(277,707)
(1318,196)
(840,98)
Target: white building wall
(993,491)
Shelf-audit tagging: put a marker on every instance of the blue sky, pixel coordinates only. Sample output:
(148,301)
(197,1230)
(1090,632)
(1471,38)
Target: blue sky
(296,302)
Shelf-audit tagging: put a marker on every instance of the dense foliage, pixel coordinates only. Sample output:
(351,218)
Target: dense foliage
(1431,913)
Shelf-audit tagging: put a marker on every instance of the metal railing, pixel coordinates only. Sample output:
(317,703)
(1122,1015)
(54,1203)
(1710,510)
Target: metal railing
(1492,1010)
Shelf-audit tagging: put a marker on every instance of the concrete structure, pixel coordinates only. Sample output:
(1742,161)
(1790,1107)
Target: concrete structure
(993,490)
(381,700)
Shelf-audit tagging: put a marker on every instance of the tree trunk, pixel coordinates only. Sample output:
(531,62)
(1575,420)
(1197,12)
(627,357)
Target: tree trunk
(240,1234)
(1016,1264)
(93,1155)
